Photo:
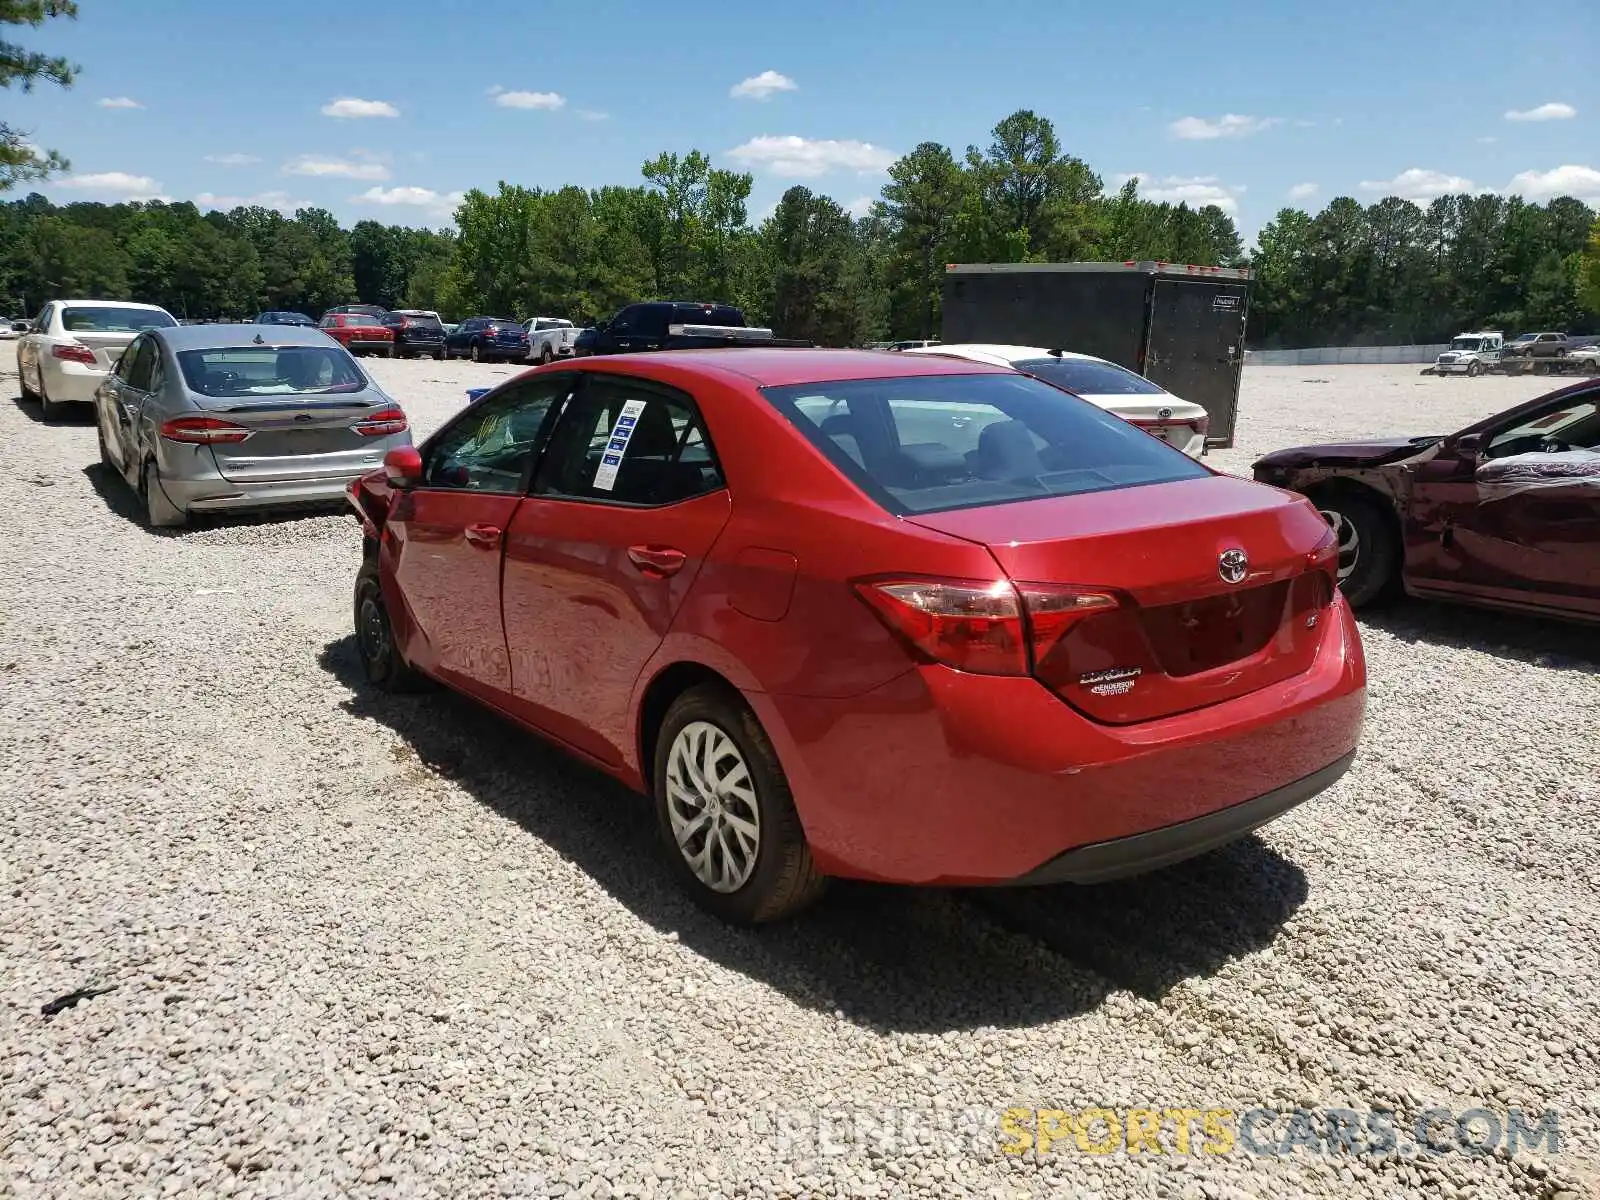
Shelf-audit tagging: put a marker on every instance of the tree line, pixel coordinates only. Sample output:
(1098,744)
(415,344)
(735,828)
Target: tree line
(1386,272)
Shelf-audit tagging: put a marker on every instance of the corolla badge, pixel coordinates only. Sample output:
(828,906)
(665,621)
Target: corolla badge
(1164,413)
(1233,565)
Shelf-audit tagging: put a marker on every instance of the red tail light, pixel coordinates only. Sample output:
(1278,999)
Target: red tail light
(77,354)
(987,628)
(1325,558)
(381,423)
(202,431)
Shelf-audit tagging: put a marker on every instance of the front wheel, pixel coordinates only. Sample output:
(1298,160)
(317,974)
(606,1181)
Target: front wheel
(1369,547)
(381,661)
(725,812)
(545,357)
(48,408)
(1474,370)
(441,354)
(475,353)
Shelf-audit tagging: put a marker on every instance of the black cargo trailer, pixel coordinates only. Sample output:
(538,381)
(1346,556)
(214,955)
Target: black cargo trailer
(1179,326)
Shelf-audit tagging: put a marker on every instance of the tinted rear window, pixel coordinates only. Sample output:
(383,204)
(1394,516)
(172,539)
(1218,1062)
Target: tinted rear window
(1089,378)
(113,320)
(506,327)
(717,314)
(938,442)
(237,371)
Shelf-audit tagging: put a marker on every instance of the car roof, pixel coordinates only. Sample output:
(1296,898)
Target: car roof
(217,337)
(775,367)
(998,354)
(112,304)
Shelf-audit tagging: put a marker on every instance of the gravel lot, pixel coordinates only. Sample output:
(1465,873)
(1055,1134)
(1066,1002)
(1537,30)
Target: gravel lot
(374,946)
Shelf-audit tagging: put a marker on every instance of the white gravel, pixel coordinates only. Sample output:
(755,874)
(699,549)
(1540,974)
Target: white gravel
(388,947)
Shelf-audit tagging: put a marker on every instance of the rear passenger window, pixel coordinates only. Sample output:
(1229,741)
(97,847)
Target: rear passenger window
(629,443)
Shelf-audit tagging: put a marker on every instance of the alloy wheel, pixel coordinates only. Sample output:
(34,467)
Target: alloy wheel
(1349,539)
(711,803)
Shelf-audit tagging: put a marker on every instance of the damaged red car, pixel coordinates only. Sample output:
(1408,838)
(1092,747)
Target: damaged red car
(1504,513)
(844,613)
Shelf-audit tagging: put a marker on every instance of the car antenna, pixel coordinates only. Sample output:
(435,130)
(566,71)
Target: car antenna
(1055,354)
(259,340)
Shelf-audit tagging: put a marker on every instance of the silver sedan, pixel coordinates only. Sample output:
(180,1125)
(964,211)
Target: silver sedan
(218,418)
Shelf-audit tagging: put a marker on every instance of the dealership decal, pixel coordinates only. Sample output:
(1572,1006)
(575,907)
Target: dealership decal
(605,477)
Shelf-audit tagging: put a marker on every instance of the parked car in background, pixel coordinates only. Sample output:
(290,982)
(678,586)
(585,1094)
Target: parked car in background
(1471,354)
(488,339)
(415,333)
(549,338)
(830,608)
(359,334)
(1115,389)
(284,318)
(1504,513)
(362,310)
(73,344)
(912,344)
(1536,345)
(671,325)
(206,419)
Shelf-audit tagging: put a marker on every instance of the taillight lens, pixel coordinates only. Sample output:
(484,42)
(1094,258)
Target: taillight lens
(985,627)
(1324,557)
(381,423)
(202,431)
(77,354)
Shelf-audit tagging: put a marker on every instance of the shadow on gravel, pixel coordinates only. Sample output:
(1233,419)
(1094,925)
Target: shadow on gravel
(1554,645)
(904,959)
(72,414)
(121,499)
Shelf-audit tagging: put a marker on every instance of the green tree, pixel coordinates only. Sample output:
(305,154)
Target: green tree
(926,194)
(20,160)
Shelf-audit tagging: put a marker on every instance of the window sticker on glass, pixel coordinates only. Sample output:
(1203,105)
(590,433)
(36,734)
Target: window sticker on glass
(605,476)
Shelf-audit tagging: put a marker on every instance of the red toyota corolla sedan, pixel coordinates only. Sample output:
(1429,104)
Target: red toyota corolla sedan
(861,614)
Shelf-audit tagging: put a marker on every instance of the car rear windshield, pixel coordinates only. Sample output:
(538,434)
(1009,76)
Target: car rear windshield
(237,371)
(506,327)
(716,314)
(113,320)
(1089,378)
(938,442)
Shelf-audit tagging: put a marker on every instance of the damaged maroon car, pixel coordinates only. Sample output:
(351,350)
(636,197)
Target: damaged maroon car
(1504,513)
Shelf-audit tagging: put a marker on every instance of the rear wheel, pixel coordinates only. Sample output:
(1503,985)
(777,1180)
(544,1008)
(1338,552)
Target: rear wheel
(725,812)
(159,512)
(441,354)
(1369,547)
(381,659)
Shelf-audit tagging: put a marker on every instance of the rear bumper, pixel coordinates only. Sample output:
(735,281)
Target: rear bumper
(940,777)
(190,478)
(358,345)
(70,382)
(1156,848)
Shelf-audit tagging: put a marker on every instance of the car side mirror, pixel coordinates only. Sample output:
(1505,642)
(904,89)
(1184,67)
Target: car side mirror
(402,467)
(1468,446)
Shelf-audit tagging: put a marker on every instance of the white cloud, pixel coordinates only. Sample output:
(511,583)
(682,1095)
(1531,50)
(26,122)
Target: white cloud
(549,101)
(438,204)
(799,158)
(1304,191)
(1419,185)
(281,201)
(335,168)
(861,206)
(232,160)
(1582,182)
(1487,141)
(1196,191)
(349,106)
(117,184)
(1229,125)
(1544,112)
(763,86)
(590,114)
(118,102)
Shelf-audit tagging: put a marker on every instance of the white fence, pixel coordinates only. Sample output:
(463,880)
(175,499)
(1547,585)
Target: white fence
(1339,356)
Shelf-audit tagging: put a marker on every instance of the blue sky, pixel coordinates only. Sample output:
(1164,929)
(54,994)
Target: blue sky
(1253,104)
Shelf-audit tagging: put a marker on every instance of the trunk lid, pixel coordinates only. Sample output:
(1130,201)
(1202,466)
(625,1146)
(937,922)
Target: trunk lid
(1183,635)
(107,346)
(298,437)
(1173,421)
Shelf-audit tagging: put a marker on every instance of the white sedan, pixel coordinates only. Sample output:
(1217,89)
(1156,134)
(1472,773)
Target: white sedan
(75,344)
(1115,389)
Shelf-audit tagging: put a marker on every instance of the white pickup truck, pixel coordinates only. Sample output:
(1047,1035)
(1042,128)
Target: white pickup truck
(549,338)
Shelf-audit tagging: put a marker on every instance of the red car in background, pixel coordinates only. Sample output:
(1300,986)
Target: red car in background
(359,333)
(847,613)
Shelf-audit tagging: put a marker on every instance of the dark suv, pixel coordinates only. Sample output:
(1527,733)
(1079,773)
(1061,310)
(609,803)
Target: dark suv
(415,333)
(644,326)
(487,339)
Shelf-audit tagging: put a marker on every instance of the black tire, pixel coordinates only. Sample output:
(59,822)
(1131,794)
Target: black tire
(1373,557)
(783,879)
(1473,370)
(545,357)
(159,511)
(475,353)
(49,410)
(381,661)
(441,355)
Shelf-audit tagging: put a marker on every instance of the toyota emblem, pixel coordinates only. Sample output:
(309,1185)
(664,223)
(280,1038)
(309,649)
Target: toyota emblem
(1164,413)
(1233,566)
